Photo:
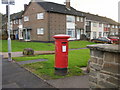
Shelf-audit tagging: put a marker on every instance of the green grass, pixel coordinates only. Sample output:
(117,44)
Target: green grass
(19,46)
(79,44)
(37,46)
(45,69)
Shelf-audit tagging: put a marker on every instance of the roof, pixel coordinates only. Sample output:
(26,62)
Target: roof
(16,15)
(102,19)
(59,8)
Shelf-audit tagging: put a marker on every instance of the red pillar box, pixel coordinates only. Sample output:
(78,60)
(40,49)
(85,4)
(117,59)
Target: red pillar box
(61,54)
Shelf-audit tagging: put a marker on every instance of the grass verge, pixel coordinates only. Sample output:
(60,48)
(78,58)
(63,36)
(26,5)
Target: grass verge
(77,59)
(18,46)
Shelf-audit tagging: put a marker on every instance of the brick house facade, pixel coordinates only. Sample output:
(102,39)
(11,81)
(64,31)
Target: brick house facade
(42,20)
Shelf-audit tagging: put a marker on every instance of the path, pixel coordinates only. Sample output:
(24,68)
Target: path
(14,76)
(19,54)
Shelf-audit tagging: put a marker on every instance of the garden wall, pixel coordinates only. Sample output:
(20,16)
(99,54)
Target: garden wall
(104,66)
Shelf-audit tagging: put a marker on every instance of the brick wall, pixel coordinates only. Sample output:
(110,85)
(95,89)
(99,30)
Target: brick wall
(104,66)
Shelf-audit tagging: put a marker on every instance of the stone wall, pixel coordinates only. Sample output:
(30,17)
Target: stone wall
(104,66)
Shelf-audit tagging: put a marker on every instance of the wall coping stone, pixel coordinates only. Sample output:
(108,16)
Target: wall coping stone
(105,47)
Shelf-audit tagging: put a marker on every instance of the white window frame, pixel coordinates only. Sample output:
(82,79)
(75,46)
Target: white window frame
(70,18)
(94,24)
(78,19)
(40,31)
(81,19)
(26,18)
(100,24)
(20,21)
(94,35)
(87,23)
(72,32)
(40,16)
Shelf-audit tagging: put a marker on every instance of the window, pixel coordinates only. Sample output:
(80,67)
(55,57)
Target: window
(70,18)
(26,18)
(20,21)
(78,19)
(95,24)
(15,21)
(116,27)
(71,32)
(112,26)
(108,26)
(81,19)
(87,24)
(100,24)
(40,30)
(100,34)
(40,16)
(94,34)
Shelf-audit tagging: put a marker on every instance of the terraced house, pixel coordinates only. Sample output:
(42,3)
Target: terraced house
(99,26)
(42,20)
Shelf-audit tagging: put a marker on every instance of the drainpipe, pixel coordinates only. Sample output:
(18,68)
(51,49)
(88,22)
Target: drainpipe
(26,34)
(49,26)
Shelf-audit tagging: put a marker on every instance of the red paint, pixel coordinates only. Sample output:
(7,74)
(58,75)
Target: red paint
(61,51)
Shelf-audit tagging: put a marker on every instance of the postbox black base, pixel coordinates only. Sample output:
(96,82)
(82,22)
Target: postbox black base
(61,71)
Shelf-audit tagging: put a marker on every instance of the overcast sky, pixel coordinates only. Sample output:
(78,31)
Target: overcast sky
(108,8)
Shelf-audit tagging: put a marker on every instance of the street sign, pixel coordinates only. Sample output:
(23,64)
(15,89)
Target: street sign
(11,2)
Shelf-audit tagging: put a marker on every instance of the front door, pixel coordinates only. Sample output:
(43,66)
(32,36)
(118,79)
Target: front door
(26,35)
(78,34)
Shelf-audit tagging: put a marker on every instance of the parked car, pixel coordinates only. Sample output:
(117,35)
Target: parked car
(115,39)
(102,40)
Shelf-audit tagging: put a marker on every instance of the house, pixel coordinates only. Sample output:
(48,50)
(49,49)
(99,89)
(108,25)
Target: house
(17,25)
(94,26)
(43,20)
(98,26)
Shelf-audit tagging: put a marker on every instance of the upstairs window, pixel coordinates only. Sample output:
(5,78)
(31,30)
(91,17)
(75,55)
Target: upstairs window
(40,31)
(20,21)
(78,19)
(87,23)
(26,18)
(81,19)
(70,18)
(95,24)
(40,16)
(100,24)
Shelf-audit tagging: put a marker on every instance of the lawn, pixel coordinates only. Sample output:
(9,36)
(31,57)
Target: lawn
(45,69)
(19,46)
(38,46)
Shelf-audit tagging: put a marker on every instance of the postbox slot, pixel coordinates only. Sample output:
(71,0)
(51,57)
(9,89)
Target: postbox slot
(64,42)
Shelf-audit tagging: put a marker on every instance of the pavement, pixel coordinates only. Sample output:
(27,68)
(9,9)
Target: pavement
(71,82)
(14,76)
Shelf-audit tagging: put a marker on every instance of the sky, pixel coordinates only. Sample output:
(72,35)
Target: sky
(108,8)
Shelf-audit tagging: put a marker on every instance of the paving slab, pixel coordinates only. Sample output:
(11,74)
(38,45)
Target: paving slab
(14,76)
(71,82)
(31,61)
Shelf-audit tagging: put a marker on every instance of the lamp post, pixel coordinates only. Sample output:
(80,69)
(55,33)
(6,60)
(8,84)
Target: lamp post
(9,2)
(9,39)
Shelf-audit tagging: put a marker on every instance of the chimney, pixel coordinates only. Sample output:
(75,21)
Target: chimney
(68,4)
(25,6)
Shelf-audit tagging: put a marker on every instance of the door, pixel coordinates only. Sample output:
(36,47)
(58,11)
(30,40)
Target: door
(78,34)
(26,35)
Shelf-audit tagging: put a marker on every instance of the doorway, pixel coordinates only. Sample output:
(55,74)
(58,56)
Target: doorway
(78,34)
